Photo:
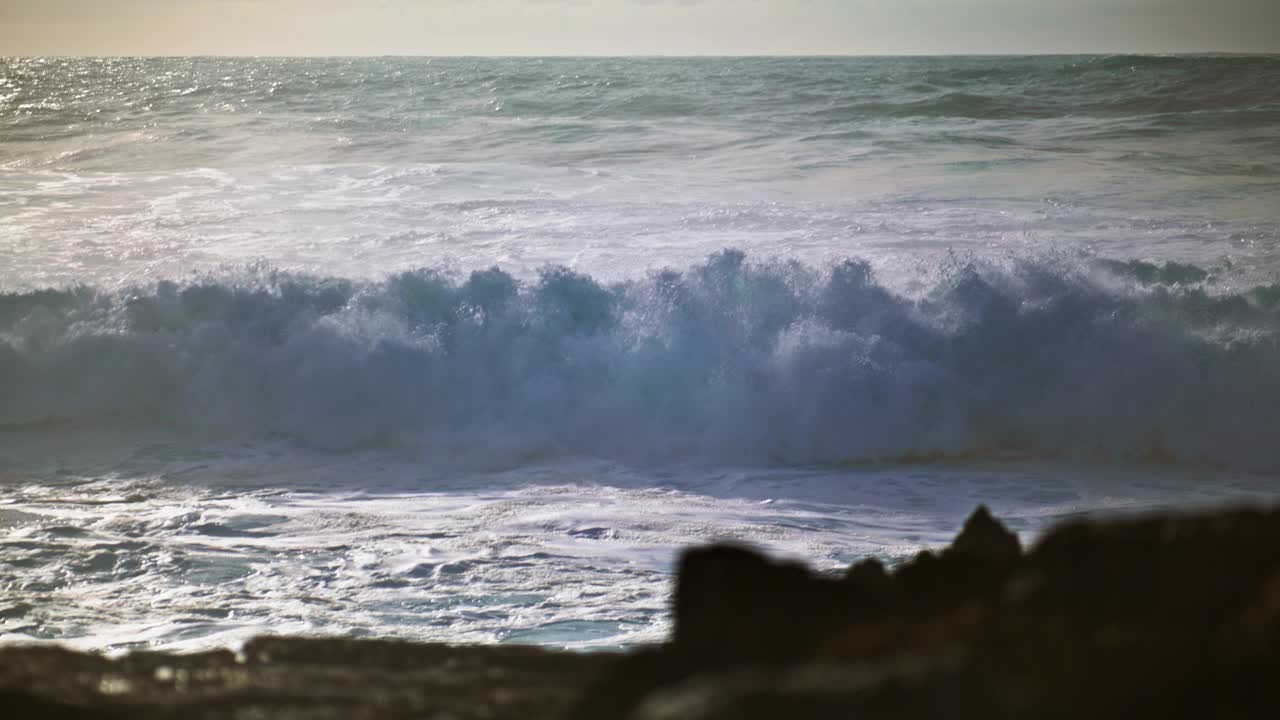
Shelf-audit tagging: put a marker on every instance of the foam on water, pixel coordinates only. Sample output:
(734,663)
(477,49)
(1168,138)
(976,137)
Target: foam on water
(187,550)
(117,170)
(480,458)
(729,361)
(455,350)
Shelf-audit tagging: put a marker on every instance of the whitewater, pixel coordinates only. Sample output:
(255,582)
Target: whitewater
(468,349)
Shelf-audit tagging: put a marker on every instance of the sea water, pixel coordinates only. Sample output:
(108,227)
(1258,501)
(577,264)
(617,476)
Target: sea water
(468,349)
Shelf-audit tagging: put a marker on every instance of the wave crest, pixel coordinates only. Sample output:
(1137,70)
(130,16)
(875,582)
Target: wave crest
(728,360)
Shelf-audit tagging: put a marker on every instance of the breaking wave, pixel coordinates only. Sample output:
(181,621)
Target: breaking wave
(728,360)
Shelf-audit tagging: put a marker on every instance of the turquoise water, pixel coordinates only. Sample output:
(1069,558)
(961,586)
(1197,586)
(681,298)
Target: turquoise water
(467,349)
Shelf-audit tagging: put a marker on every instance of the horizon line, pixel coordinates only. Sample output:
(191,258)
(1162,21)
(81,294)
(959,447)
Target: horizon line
(672,56)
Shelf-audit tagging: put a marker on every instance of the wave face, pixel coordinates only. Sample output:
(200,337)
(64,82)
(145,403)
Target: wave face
(727,360)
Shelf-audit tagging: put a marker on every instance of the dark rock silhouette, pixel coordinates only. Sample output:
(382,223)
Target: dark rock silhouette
(296,678)
(1170,616)
(25,705)
(984,539)
(759,591)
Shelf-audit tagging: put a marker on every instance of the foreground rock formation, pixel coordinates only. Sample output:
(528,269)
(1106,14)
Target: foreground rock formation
(290,678)
(1172,616)
(1169,616)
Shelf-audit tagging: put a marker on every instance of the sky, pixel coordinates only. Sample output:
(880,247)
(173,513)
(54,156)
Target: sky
(633,27)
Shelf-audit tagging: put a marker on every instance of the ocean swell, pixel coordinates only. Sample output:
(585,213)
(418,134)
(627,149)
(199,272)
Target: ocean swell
(729,360)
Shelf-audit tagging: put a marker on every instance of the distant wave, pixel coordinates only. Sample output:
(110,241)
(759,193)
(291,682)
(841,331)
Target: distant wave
(381,98)
(727,360)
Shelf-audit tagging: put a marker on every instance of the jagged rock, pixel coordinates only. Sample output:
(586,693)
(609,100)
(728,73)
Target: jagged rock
(775,609)
(983,538)
(869,587)
(972,567)
(868,572)
(1172,616)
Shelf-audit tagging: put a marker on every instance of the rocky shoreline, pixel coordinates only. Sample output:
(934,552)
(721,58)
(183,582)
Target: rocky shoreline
(1172,615)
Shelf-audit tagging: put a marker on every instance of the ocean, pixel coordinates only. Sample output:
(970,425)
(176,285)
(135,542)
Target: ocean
(467,350)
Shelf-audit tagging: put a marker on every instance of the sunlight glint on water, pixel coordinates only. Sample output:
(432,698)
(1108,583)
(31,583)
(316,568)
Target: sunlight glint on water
(467,349)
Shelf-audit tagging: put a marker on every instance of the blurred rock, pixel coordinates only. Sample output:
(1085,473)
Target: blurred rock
(297,678)
(1170,616)
(983,539)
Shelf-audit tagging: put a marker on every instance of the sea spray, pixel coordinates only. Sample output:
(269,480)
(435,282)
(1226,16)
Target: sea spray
(728,360)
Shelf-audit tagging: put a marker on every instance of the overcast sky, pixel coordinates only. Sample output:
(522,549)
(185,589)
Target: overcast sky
(626,27)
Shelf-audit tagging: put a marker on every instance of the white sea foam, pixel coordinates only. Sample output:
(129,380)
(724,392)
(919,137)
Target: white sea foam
(188,549)
(727,361)
(454,349)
